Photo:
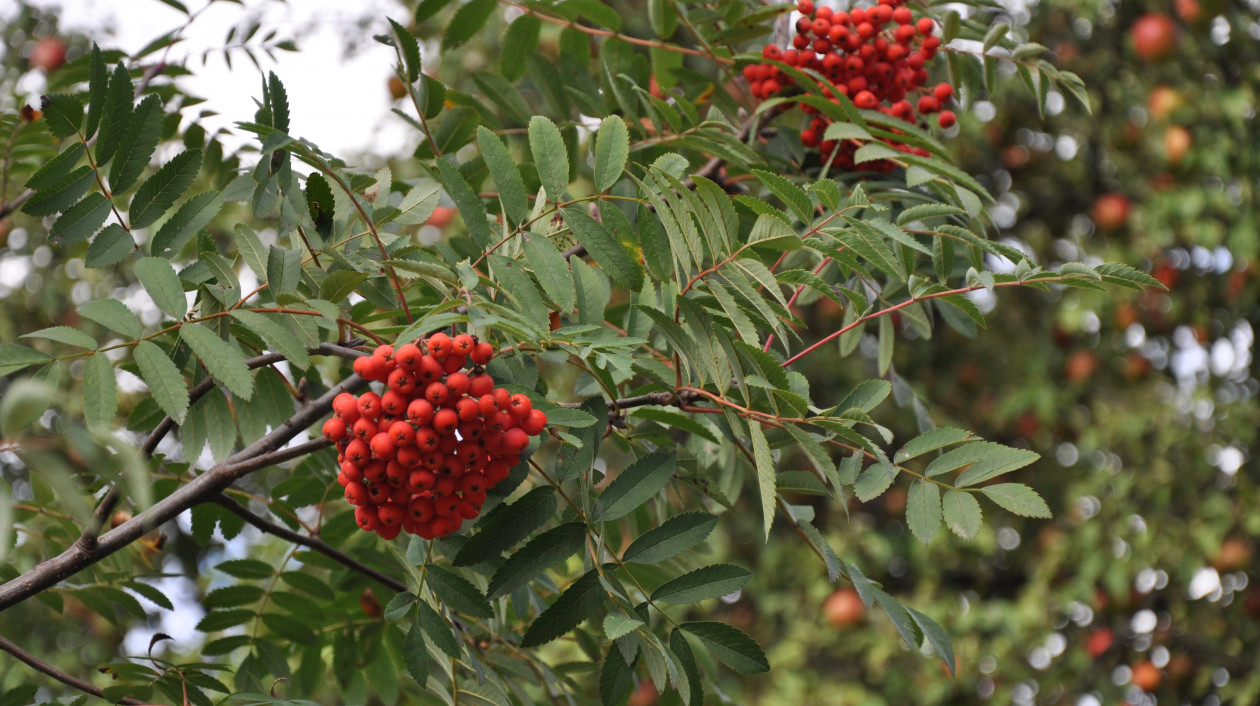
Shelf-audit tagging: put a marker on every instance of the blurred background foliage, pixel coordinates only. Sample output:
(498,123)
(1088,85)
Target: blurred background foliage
(1143,589)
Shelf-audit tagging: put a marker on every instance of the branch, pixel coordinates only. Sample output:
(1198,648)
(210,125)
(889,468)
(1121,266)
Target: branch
(34,663)
(264,452)
(310,542)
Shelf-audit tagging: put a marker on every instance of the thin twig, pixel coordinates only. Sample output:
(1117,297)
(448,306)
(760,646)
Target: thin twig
(38,665)
(314,543)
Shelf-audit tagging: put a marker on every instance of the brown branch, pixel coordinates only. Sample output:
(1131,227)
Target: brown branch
(35,663)
(314,543)
(263,452)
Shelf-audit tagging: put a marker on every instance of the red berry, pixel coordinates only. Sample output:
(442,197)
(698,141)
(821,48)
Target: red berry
(356,493)
(374,471)
(401,381)
(943,91)
(929,104)
(445,422)
(408,356)
(364,429)
(468,511)
(515,440)
(770,87)
(351,471)
(409,456)
(805,7)
(467,409)
(482,353)
(458,384)
(436,393)
(820,27)
(421,509)
(947,119)
(771,52)
(334,430)
(427,439)
(383,446)
(365,517)
(370,405)
(390,514)
(402,434)
(925,26)
(463,344)
(519,406)
(535,422)
(429,369)
(903,16)
(358,453)
(866,100)
(388,532)
(453,363)
(440,345)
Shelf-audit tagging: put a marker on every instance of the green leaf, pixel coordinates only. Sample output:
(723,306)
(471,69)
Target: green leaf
(573,606)
(962,513)
(765,475)
(113,315)
(61,195)
(437,629)
(520,40)
(507,525)
(56,169)
(192,215)
(731,646)
(923,510)
(636,484)
(1017,498)
(416,654)
(506,175)
(163,379)
(604,248)
(14,357)
(98,90)
(284,270)
(220,426)
(162,284)
(100,392)
(550,156)
(619,625)
(80,221)
(246,568)
(551,269)
(702,584)
(931,440)
(612,147)
(110,247)
(62,114)
(466,22)
(222,359)
(674,536)
(678,645)
(63,334)
(899,617)
(456,593)
(410,50)
(116,115)
(515,281)
(936,637)
(985,460)
(279,338)
(137,146)
(160,191)
(469,205)
(541,552)
(791,194)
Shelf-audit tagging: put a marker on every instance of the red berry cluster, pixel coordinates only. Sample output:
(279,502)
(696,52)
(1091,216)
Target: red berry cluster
(420,457)
(875,56)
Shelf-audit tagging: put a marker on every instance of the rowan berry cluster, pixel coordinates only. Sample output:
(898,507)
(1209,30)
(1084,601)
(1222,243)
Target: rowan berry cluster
(875,56)
(419,457)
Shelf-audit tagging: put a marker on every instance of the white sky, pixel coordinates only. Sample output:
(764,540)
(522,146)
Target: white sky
(340,103)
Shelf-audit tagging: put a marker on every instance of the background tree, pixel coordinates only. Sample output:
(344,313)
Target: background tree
(618,269)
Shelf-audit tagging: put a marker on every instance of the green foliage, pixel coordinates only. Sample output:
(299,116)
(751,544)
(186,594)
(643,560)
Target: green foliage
(647,283)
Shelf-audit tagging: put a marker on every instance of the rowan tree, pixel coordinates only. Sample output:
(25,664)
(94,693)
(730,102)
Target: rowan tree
(646,207)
